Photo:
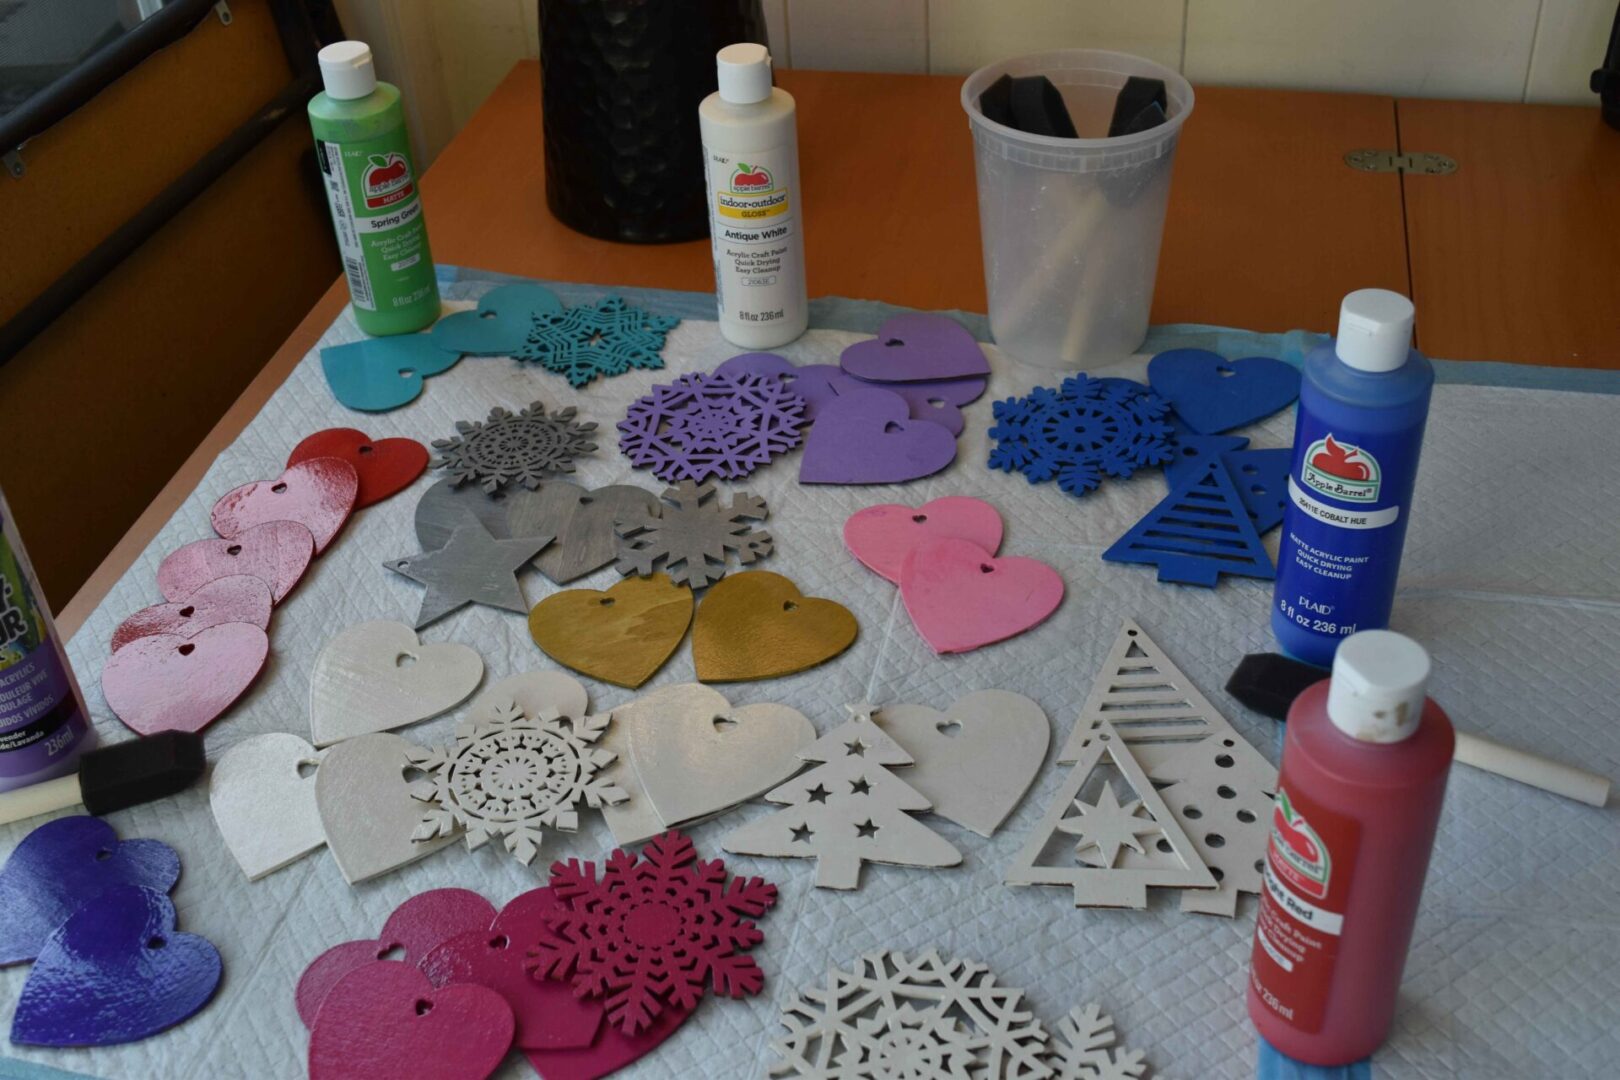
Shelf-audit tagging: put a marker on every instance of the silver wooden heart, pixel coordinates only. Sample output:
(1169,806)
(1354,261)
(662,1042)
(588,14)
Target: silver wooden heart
(264,807)
(375,676)
(975,761)
(366,808)
(582,523)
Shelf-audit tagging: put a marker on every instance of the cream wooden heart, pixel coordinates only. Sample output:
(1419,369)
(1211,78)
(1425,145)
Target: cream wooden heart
(532,691)
(975,761)
(366,808)
(264,808)
(375,676)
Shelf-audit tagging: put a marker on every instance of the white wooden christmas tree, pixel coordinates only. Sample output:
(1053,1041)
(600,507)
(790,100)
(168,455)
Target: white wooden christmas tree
(848,810)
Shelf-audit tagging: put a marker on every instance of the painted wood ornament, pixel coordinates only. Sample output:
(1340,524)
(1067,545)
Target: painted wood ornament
(691,533)
(975,761)
(377,676)
(582,521)
(472,568)
(240,598)
(446,506)
(318,494)
(1213,394)
(961,598)
(262,793)
(916,346)
(621,635)
(61,865)
(882,536)
(611,1051)
(1085,1049)
(277,553)
(757,625)
(384,466)
(366,807)
(164,682)
(500,324)
(379,374)
(115,971)
(387,1020)
(532,692)
(868,437)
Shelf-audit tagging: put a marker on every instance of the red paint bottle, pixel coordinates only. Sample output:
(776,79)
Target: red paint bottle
(1363,776)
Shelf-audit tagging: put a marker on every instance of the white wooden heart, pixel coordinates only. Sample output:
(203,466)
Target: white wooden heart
(532,692)
(376,676)
(976,761)
(366,808)
(264,807)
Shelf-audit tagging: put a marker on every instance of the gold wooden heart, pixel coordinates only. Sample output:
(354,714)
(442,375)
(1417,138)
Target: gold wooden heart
(757,625)
(620,635)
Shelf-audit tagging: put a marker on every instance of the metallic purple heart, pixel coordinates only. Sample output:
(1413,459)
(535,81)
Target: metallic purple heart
(61,865)
(114,972)
(869,437)
(916,347)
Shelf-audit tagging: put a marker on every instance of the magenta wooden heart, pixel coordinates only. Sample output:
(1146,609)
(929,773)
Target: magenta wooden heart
(169,683)
(882,536)
(318,493)
(240,598)
(611,1051)
(277,553)
(914,347)
(961,597)
(868,437)
(386,1021)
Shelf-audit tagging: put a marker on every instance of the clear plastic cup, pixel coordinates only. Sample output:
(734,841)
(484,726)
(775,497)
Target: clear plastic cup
(1071,227)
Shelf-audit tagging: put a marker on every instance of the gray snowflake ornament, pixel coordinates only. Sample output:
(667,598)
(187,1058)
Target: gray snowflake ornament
(690,535)
(523,447)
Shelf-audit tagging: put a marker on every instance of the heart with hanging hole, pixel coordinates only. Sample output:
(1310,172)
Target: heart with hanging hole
(318,494)
(1213,394)
(621,635)
(384,466)
(868,437)
(581,521)
(915,347)
(758,625)
(379,374)
(960,597)
(240,598)
(165,682)
(262,793)
(378,675)
(500,325)
(882,536)
(277,553)
(363,793)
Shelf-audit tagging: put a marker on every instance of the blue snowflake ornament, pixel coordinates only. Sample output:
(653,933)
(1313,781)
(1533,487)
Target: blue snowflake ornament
(608,337)
(1081,431)
(702,426)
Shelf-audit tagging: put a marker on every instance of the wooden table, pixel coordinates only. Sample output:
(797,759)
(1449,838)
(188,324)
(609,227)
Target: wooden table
(1267,228)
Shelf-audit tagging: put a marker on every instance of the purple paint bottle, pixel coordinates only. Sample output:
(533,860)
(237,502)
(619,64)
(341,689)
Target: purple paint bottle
(44,725)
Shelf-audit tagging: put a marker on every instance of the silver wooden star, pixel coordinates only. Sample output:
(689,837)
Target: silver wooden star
(472,568)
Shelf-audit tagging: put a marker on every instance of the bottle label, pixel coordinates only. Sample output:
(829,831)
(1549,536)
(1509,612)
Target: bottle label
(40,719)
(376,210)
(758,271)
(1309,860)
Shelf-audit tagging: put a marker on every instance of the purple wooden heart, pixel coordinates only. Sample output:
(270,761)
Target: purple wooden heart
(816,383)
(64,863)
(935,401)
(868,437)
(915,347)
(114,972)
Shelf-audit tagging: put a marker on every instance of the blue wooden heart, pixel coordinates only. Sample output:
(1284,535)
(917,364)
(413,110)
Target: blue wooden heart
(115,972)
(1213,394)
(383,373)
(59,866)
(501,324)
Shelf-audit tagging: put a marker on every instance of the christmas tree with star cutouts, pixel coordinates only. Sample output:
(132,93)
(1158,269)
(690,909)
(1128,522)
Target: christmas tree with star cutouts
(848,810)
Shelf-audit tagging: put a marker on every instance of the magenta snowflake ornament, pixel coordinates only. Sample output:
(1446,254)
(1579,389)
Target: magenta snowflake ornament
(652,931)
(710,425)
(606,338)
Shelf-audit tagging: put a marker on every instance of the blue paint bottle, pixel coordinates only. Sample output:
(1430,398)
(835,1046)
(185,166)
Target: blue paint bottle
(1362,405)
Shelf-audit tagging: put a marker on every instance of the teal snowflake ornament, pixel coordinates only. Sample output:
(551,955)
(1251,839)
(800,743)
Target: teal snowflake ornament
(609,337)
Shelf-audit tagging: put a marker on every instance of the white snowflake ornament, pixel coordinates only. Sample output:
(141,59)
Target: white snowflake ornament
(1084,1049)
(690,535)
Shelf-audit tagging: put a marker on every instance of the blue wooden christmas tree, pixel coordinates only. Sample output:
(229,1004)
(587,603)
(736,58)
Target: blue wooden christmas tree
(1200,531)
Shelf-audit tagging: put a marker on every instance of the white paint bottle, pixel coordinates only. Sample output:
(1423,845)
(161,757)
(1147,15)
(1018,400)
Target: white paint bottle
(756,219)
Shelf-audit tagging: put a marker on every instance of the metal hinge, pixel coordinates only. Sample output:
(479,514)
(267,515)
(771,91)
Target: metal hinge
(12,159)
(1390,161)
(223,10)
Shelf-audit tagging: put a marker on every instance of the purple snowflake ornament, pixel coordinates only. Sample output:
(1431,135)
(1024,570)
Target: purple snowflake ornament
(712,425)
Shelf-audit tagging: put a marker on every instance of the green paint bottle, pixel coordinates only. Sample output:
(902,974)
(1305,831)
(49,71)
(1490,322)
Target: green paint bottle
(364,152)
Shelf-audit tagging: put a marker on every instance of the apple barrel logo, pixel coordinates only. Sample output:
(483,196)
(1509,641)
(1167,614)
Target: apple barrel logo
(1341,471)
(751,179)
(1298,855)
(387,180)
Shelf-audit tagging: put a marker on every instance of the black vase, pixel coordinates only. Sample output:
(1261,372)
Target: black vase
(621,81)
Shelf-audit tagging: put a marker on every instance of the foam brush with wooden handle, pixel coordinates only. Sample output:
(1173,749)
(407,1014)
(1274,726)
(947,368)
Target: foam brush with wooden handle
(112,777)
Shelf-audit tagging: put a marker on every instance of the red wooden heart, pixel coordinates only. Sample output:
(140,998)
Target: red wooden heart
(241,598)
(385,466)
(169,683)
(318,493)
(385,1021)
(277,553)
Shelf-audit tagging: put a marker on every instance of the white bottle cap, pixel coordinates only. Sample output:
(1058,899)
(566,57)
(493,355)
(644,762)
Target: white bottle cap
(347,71)
(745,73)
(1377,690)
(1375,330)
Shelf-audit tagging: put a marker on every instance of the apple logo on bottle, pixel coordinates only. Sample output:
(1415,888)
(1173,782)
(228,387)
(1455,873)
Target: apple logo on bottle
(387,180)
(750,178)
(1297,853)
(1341,470)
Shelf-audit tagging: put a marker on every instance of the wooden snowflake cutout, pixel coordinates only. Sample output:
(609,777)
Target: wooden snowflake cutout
(1084,1049)
(904,1017)
(589,340)
(523,447)
(654,932)
(691,534)
(514,776)
(702,426)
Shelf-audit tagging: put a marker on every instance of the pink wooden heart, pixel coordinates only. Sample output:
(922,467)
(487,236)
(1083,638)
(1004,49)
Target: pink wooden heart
(240,598)
(410,933)
(319,493)
(277,553)
(961,597)
(882,536)
(169,683)
(386,1021)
